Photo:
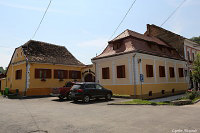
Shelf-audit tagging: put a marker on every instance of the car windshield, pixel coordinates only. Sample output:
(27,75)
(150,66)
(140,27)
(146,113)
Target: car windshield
(76,87)
(69,84)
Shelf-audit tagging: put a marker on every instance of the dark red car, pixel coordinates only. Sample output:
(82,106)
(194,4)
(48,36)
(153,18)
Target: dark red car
(62,92)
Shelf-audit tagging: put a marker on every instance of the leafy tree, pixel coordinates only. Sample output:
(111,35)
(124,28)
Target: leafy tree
(196,69)
(196,39)
(2,70)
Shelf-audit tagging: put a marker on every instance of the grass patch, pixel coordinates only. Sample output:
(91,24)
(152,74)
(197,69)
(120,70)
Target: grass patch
(118,95)
(144,102)
(195,99)
(0,94)
(192,95)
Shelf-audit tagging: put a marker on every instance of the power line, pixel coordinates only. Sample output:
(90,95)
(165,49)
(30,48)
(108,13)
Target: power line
(120,22)
(122,19)
(42,19)
(173,13)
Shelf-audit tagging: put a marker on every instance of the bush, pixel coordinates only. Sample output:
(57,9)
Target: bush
(192,95)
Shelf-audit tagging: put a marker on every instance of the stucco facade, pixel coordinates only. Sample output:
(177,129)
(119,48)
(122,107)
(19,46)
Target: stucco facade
(21,74)
(135,64)
(141,56)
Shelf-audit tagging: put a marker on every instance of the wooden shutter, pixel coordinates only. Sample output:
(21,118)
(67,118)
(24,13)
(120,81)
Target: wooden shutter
(121,71)
(48,73)
(37,73)
(18,74)
(149,70)
(66,74)
(162,71)
(105,73)
(70,74)
(55,74)
(78,75)
(118,72)
(171,72)
(108,73)
(180,70)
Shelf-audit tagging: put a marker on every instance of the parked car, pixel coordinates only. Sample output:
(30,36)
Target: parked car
(62,92)
(87,90)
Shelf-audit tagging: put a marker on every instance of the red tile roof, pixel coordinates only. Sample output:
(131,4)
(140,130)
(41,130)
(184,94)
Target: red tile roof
(139,43)
(128,33)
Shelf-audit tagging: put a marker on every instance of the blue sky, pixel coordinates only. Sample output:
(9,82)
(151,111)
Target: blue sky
(85,26)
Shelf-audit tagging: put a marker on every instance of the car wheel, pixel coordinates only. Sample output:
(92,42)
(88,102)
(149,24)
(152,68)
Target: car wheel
(75,100)
(61,97)
(86,99)
(68,97)
(108,96)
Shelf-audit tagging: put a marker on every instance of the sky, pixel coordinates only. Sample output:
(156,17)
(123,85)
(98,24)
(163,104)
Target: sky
(85,26)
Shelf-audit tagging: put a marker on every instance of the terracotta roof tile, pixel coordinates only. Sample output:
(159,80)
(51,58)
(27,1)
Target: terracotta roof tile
(127,33)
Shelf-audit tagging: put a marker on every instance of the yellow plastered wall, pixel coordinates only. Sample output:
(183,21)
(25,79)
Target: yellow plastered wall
(86,69)
(49,83)
(91,67)
(157,88)
(3,83)
(121,89)
(12,83)
(18,55)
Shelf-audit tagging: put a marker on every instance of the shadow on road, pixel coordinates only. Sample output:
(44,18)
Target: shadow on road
(91,101)
(60,100)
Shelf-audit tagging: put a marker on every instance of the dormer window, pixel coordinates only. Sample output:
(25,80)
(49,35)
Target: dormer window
(116,46)
(150,46)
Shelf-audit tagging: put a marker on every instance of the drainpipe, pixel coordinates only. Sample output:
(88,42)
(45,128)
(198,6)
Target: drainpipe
(26,80)
(135,76)
(26,84)
(95,66)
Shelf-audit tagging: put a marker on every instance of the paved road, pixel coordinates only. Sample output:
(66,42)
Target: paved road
(53,116)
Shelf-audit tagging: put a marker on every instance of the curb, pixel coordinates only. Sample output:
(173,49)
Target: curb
(123,97)
(139,104)
(196,101)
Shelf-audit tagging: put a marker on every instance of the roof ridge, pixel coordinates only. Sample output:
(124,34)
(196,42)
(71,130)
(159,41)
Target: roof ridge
(44,43)
(120,34)
(168,31)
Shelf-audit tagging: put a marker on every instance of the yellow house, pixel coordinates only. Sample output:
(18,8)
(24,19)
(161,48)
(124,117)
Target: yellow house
(141,66)
(37,67)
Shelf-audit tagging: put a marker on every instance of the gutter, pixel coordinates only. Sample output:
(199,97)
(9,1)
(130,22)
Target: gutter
(135,76)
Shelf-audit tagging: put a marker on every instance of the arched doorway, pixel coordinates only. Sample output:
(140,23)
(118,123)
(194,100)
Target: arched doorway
(89,78)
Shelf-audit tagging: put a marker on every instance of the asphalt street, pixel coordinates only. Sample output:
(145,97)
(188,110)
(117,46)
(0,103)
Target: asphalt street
(49,115)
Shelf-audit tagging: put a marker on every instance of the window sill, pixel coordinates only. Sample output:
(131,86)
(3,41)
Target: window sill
(43,79)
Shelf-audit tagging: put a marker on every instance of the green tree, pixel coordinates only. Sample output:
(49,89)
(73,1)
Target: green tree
(196,69)
(2,70)
(196,39)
